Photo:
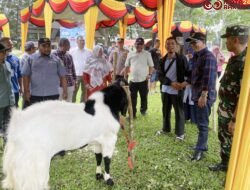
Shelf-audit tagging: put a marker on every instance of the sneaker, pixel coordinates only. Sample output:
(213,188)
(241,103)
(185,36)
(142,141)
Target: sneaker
(180,138)
(161,132)
(218,167)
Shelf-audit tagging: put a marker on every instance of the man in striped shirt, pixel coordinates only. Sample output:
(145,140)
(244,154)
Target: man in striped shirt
(203,83)
(62,53)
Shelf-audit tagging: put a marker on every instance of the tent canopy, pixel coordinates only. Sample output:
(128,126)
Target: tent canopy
(4,25)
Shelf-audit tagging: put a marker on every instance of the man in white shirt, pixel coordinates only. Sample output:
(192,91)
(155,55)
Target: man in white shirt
(80,56)
(140,65)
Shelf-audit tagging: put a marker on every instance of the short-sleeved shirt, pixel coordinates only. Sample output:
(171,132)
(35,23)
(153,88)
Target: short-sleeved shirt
(229,90)
(121,59)
(44,72)
(15,71)
(6,92)
(24,59)
(139,64)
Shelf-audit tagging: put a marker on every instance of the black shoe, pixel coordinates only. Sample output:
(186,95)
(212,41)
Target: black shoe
(198,155)
(218,167)
(144,113)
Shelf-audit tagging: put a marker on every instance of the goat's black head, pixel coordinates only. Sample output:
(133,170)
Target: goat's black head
(116,98)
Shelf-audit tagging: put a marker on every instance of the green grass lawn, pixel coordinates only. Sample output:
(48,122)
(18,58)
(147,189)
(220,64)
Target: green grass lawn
(161,162)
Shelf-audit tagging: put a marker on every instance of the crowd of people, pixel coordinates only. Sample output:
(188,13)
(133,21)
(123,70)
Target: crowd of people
(187,82)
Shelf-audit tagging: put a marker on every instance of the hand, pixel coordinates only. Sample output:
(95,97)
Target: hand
(20,91)
(184,84)
(202,101)
(88,86)
(231,127)
(176,85)
(149,77)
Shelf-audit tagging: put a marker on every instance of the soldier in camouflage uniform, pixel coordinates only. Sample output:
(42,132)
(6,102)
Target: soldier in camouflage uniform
(229,91)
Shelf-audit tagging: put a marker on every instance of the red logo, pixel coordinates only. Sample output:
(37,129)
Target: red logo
(217,5)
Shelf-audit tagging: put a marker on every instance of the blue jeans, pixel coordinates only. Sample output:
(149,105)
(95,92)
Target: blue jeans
(202,121)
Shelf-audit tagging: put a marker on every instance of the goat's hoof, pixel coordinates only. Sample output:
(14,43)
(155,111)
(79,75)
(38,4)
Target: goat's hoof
(110,182)
(99,176)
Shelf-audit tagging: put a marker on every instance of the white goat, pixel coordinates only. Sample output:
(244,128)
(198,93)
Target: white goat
(36,134)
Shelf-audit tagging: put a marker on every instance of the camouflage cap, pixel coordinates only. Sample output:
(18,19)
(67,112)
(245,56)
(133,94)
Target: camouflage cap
(236,30)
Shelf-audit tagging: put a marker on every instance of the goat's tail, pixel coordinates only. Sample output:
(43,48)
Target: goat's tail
(23,169)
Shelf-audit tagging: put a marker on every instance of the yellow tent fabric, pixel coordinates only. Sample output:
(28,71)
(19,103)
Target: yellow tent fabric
(123,23)
(6,30)
(48,16)
(90,19)
(165,15)
(5,25)
(238,176)
(24,32)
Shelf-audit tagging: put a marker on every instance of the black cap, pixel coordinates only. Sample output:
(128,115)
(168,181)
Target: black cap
(139,41)
(44,41)
(236,30)
(196,36)
(2,47)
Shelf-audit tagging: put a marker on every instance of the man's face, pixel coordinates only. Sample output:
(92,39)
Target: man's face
(171,46)
(230,43)
(65,47)
(196,45)
(45,49)
(9,45)
(157,45)
(2,56)
(80,43)
(139,46)
(33,50)
(120,44)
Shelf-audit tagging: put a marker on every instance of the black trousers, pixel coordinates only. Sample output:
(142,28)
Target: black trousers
(16,99)
(169,100)
(142,88)
(4,117)
(36,99)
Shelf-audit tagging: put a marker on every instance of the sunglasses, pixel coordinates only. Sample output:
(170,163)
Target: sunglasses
(139,44)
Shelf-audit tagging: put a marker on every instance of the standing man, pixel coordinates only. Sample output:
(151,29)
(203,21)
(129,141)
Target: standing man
(80,55)
(156,56)
(118,58)
(229,91)
(29,49)
(203,83)
(42,74)
(172,72)
(62,53)
(140,64)
(7,99)
(16,77)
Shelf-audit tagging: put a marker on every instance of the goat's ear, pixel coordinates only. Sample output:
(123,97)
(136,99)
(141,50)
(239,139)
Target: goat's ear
(89,107)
